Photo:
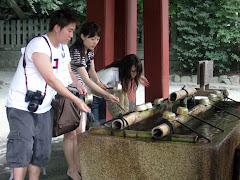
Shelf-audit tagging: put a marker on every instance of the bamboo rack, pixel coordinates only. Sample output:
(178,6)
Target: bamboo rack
(142,135)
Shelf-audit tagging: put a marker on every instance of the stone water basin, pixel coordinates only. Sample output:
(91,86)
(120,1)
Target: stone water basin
(111,157)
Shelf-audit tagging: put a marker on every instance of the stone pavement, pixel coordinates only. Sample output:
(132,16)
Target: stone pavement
(55,170)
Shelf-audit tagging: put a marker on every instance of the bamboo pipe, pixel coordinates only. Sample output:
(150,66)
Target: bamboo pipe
(136,117)
(163,129)
(177,95)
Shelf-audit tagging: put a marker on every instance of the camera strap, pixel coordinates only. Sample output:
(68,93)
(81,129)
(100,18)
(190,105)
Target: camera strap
(24,62)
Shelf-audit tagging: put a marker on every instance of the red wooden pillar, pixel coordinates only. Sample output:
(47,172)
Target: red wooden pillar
(126,34)
(156,48)
(102,12)
(131,27)
(125,28)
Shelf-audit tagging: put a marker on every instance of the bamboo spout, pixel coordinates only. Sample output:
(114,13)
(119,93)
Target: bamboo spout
(136,117)
(177,95)
(161,130)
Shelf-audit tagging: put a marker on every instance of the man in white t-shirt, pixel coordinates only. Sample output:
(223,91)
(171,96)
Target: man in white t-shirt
(45,71)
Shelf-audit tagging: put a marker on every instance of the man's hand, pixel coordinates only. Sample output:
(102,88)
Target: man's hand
(82,105)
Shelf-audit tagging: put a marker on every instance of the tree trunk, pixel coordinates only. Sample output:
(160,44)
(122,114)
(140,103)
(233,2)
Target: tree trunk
(16,9)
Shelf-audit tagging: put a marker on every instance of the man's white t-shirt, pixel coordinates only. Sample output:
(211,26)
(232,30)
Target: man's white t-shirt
(60,61)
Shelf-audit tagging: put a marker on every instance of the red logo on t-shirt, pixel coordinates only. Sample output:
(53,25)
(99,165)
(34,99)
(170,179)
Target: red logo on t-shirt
(55,63)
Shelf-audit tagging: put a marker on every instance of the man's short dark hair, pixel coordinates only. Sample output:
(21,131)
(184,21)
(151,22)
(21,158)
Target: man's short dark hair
(63,17)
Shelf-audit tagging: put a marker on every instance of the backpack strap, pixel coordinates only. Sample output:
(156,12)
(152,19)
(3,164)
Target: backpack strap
(24,62)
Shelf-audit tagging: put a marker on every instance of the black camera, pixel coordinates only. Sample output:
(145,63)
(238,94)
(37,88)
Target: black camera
(35,99)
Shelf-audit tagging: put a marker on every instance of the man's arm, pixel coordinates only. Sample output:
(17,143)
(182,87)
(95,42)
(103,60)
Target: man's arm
(43,64)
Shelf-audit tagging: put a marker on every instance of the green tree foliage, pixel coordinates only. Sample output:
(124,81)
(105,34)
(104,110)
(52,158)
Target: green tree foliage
(40,8)
(226,30)
(206,30)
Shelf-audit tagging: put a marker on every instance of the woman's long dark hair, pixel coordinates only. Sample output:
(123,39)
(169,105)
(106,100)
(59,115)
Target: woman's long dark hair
(90,29)
(125,66)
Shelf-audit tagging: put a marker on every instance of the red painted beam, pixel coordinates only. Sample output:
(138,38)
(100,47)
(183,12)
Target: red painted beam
(156,48)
